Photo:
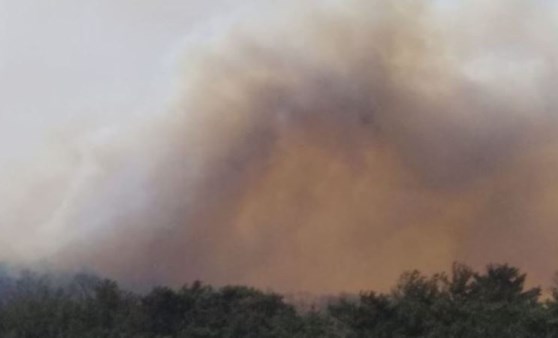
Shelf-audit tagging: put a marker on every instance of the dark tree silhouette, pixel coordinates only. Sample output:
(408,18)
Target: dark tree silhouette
(464,303)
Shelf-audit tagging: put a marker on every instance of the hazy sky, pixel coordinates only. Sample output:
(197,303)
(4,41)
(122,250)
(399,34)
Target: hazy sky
(63,61)
(74,73)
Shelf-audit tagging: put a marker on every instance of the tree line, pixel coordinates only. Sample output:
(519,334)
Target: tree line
(463,303)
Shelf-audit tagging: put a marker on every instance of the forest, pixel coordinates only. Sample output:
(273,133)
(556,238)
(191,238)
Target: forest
(462,303)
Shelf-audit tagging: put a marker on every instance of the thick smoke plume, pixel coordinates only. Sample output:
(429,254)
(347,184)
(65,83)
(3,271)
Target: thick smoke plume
(329,148)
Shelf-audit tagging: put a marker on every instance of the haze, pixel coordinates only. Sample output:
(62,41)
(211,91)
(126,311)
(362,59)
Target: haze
(323,146)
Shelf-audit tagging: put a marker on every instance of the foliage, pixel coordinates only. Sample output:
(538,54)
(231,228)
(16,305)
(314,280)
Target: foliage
(464,303)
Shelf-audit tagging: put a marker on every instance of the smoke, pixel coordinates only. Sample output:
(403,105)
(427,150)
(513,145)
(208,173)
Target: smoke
(327,147)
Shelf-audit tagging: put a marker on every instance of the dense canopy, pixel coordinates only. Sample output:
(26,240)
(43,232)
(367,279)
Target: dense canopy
(464,303)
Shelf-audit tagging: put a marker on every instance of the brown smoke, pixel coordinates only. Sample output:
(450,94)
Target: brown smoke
(335,147)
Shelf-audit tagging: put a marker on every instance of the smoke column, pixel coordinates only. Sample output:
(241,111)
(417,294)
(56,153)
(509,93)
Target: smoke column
(326,147)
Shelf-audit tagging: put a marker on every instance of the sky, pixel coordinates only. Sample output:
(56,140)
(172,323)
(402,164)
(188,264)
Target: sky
(63,61)
(72,73)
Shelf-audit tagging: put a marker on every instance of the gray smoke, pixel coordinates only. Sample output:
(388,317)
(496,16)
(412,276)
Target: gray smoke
(329,147)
